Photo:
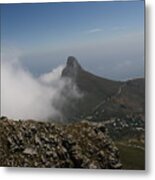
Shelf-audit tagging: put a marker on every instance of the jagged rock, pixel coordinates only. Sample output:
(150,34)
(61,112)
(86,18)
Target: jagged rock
(117,166)
(33,129)
(10,140)
(94,165)
(43,160)
(30,151)
(75,145)
(37,140)
(72,68)
(49,153)
(35,164)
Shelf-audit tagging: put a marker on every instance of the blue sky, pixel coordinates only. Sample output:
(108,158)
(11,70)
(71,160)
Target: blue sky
(106,37)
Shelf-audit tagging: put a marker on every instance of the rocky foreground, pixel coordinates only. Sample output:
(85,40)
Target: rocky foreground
(43,144)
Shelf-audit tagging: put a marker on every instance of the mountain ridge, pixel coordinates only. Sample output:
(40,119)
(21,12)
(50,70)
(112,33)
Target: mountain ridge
(98,89)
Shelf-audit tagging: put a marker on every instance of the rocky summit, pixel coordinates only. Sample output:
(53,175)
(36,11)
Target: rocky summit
(72,68)
(44,144)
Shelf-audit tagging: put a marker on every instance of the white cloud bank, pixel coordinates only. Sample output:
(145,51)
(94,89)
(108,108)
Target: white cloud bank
(25,97)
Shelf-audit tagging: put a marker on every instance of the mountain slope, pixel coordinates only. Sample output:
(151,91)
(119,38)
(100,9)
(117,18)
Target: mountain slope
(129,99)
(94,88)
(102,98)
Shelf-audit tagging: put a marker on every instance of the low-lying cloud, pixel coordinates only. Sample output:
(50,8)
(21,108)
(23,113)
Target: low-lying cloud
(24,96)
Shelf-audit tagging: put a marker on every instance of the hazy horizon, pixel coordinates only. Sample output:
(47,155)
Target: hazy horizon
(107,38)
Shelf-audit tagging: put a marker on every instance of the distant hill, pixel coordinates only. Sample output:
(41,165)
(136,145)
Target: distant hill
(102,98)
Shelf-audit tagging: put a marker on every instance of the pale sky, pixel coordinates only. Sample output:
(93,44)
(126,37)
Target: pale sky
(107,38)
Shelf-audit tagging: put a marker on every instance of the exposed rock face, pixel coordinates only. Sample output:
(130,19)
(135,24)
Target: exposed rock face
(72,68)
(38,144)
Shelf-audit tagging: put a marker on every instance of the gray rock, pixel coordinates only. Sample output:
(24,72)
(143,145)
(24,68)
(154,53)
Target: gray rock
(117,166)
(37,144)
(37,140)
(30,151)
(93,165)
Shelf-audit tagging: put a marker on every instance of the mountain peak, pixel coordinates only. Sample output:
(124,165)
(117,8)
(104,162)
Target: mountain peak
(72,62)
(72,67)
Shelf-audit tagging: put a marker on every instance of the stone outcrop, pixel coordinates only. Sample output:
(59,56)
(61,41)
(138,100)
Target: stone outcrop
(44,144)
(72,68)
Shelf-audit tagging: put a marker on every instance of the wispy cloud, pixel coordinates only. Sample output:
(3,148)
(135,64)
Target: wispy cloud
(119,28)
(94,30)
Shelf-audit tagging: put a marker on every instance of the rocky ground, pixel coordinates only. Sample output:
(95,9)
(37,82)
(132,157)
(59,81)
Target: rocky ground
(43,144)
